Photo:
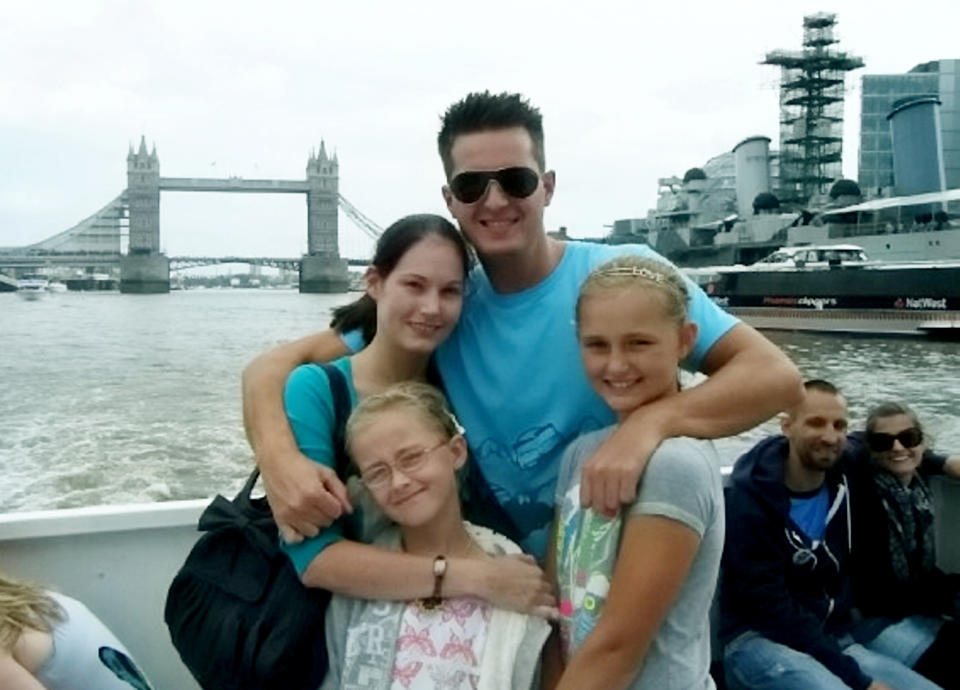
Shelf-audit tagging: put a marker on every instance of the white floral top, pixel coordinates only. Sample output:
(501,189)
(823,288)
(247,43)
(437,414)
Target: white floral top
(441,647)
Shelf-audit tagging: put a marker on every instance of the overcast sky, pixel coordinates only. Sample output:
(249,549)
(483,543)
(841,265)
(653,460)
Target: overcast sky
(630,92)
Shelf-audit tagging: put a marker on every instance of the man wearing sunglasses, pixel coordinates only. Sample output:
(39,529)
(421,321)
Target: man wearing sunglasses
(786,614)
(512,368)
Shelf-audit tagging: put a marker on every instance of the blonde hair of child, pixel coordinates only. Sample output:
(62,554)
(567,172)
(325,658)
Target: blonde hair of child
(647,274)
(25,605)
(421,398)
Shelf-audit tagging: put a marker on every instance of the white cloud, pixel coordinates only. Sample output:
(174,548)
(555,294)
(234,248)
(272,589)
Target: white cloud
(630,93)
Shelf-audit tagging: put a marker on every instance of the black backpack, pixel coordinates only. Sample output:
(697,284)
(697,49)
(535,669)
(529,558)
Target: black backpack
(237,612)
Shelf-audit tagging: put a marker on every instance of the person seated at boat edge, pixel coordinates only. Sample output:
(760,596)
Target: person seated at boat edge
(407,446)
(511,369)
(894,559)
(413,299)
(49,641)
(786,616)
(635,590)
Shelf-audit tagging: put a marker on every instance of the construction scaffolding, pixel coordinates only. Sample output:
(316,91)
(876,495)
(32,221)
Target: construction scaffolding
(811,110)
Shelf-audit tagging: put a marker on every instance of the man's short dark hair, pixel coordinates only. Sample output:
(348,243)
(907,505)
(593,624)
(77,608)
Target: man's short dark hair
(820,385)
(484,111)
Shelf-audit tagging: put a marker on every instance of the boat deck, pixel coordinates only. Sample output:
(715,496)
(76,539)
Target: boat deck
(120,560)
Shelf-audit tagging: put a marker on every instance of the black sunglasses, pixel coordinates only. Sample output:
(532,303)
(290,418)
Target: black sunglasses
(909,438)
(470,186)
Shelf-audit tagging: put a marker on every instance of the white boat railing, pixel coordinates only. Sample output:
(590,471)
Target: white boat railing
(119,560)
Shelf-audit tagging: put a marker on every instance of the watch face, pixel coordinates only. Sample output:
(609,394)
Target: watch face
(439,566)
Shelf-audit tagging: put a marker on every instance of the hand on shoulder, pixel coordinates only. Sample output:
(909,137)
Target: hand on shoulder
(515,582)
(304,496)
(611,476)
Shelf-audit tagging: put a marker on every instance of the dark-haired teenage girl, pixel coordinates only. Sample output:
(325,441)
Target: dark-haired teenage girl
(412,302)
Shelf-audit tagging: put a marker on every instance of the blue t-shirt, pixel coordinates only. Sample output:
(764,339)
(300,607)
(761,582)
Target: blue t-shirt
(309,406)
(513,372)
(808,510)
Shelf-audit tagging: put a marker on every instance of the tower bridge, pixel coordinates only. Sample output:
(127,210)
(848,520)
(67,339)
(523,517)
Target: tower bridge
(95,241)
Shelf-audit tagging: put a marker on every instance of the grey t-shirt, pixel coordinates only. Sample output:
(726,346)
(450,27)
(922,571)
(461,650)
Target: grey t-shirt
(681,482)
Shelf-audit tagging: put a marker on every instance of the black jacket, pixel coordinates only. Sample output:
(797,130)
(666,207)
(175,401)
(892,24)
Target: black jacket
(775,581)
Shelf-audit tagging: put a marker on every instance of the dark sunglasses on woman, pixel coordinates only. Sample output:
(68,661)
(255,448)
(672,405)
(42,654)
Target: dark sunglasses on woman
(909,438)
(469,187)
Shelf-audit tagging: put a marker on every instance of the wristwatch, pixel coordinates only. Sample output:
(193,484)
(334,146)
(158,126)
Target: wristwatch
(439,570)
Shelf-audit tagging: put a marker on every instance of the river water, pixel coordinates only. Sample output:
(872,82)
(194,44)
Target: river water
(109,398)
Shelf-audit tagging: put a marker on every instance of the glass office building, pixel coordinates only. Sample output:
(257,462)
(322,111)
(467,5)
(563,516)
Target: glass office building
(939,78)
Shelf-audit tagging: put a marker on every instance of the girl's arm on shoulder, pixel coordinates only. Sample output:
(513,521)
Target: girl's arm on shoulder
(731,400)
(300,496)
(263,381)
(367,571)
(656,554)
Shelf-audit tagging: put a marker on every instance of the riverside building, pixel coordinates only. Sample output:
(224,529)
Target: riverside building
(886,95)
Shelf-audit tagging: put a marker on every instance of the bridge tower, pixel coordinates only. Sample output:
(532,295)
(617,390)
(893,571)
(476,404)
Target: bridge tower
(322,269)
(144,269)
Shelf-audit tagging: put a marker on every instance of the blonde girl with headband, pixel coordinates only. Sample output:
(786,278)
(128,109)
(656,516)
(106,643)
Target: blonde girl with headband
(635,588)
(407,448)
(49,641)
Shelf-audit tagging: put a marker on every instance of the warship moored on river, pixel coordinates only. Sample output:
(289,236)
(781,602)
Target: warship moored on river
(694,227)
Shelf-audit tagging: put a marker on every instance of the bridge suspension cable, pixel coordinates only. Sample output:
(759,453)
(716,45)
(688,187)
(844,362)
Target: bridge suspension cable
(371,229)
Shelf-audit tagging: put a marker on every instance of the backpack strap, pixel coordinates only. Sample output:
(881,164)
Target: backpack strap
(341,411)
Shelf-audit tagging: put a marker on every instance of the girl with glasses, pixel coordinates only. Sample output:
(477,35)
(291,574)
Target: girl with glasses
(896,576)
(635,588)
(407,448)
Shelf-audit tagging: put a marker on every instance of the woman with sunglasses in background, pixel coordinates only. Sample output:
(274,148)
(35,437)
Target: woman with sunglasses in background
(895,572)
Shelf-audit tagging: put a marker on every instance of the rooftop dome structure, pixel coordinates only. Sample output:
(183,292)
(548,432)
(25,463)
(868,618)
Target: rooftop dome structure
(694,174)
(765,201)
(844,188)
